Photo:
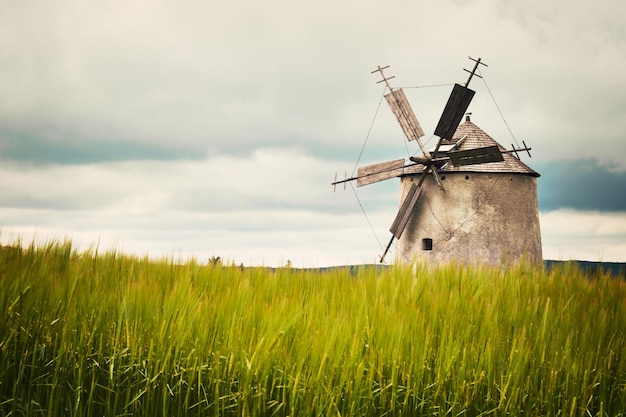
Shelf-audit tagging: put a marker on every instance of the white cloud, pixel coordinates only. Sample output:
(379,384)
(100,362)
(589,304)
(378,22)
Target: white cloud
(270,207)
(252,237)
(583,235)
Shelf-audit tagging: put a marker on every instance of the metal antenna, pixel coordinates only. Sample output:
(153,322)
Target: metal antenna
(473,71)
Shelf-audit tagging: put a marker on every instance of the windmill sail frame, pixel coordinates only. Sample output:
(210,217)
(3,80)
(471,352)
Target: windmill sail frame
(401,108)
(458,102)
(379,172)
(404,214)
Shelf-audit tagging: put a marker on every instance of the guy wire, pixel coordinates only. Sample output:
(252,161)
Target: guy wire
(369,131)
(498,107)
(429,86)
(380,245)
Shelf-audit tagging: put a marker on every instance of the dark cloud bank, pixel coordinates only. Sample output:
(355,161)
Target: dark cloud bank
(582,184)
(27,148)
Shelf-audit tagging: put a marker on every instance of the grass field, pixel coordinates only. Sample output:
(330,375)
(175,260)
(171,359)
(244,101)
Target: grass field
(104,334)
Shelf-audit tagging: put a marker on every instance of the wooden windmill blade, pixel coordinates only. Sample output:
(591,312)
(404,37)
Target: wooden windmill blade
(370,174)
(401,108)
(404,214)
(476,156)
(458,102)
(457,105)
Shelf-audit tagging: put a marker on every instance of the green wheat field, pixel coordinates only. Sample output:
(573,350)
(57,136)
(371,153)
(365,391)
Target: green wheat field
(107,334)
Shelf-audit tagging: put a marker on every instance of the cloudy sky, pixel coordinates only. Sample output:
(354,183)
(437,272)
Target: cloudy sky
(214,128)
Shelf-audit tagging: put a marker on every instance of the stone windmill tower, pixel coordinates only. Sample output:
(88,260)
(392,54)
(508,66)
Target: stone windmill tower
(468,199)
(488,212)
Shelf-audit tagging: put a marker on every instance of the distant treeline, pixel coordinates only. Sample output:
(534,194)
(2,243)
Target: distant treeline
(617,269)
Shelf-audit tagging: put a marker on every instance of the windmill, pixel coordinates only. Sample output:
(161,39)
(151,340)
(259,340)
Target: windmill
(447,154)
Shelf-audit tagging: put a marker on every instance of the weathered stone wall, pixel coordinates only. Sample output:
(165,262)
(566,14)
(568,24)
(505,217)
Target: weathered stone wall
(480,218)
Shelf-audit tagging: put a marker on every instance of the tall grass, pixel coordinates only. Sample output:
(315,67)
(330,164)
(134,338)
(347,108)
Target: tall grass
(92,334)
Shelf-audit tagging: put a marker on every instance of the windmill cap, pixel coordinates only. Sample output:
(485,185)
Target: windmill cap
(473,137)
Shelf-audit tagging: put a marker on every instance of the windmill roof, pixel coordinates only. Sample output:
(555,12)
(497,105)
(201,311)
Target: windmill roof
(469,136)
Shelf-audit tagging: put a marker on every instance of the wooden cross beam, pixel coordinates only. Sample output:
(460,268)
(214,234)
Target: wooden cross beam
(385,79)
(473,71)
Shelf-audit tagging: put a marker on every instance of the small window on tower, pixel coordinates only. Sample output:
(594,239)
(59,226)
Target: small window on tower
(427,244)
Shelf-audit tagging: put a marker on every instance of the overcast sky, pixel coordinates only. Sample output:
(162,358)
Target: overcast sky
(214,128)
